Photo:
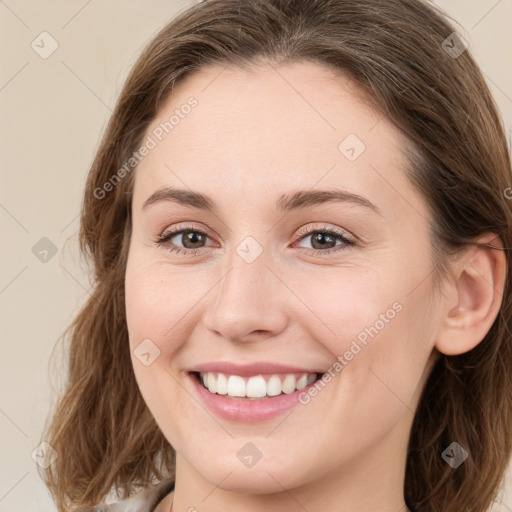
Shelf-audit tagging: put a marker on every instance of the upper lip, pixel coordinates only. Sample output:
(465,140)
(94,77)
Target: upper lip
(249,369)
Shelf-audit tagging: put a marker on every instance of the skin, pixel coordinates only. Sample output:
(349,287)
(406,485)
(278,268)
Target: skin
(255,136)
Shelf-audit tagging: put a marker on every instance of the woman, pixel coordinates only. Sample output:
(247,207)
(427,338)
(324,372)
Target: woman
(300,231)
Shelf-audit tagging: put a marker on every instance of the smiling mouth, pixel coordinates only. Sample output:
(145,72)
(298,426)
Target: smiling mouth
(257,387)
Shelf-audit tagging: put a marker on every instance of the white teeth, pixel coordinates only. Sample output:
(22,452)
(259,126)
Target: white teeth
(274,386)
(311,378)
(236,385)
(302,382)
(288,385)
(222,384)
(256,386)
(212,383)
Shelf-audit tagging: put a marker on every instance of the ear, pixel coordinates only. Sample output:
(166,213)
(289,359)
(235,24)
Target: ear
(474,297)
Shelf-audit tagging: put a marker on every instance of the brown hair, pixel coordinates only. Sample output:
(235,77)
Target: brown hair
(105,436)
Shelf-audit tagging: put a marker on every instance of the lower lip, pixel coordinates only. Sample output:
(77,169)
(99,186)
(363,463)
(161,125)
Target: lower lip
(244,410)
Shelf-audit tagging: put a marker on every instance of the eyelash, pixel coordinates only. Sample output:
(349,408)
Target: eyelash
(166,236)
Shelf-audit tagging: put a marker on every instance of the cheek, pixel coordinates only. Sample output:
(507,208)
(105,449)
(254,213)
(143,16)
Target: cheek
(157,303)
(153,313)
(378,331)
(152,308)
(346,305)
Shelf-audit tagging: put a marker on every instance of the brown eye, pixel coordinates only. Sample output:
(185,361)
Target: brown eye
(183,240)
(324,241)
(191,239)
(320,240)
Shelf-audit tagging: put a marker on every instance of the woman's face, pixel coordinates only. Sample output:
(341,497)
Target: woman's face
(256,279)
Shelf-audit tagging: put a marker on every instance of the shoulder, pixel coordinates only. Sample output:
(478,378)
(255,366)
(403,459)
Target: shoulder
(144,501)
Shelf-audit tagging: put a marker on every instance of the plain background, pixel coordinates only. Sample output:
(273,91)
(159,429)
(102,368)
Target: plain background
(53,111)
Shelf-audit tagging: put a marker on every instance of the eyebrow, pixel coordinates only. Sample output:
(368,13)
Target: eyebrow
(286,203)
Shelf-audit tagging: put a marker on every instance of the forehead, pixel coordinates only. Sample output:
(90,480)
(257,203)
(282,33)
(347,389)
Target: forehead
(257,132)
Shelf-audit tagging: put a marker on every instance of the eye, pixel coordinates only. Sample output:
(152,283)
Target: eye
(189,236)
(324,240)
(192,239)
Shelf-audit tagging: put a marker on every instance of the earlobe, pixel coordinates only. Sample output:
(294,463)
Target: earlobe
(475,296)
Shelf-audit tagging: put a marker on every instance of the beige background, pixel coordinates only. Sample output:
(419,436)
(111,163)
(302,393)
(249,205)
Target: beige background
(53,111)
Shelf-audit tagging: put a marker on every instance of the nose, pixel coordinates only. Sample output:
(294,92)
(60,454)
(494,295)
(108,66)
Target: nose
(249,302)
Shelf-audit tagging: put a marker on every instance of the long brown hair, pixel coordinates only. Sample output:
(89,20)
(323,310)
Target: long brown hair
(396,51)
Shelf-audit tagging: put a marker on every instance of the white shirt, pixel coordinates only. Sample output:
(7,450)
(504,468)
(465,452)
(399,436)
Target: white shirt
(144,501)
